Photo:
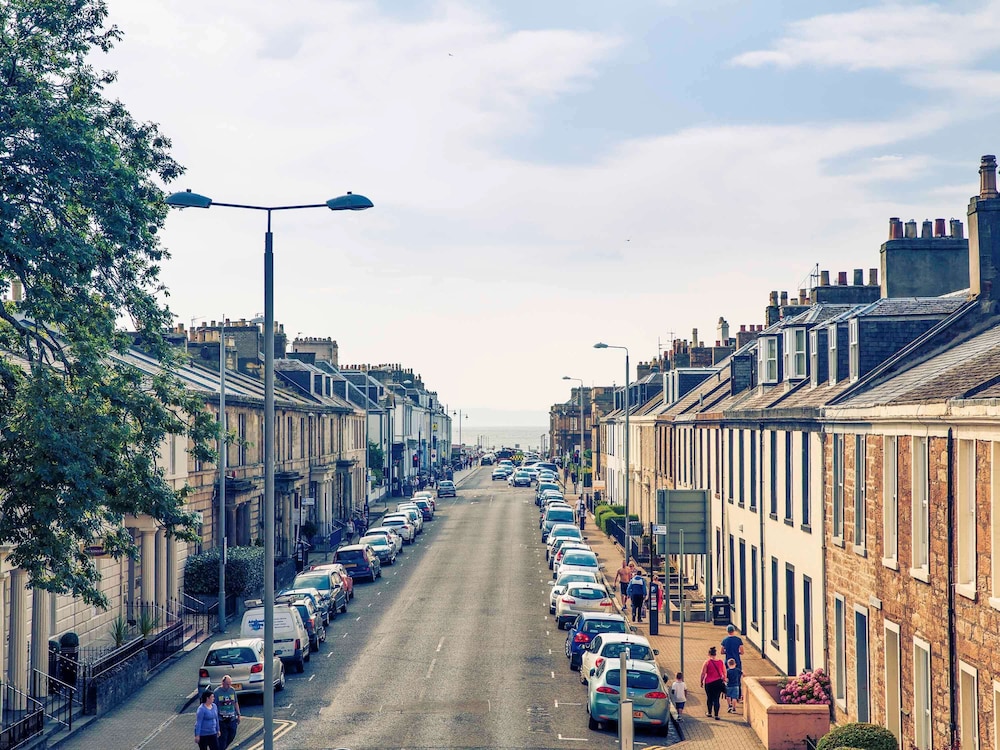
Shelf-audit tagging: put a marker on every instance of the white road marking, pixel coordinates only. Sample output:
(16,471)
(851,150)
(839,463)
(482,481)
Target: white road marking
(553,675)
(550,652)
(431,668)
(311,678)
(546,632)
(567,703)
(344,636)
(440,643)
(369,604)
(358,618)
(330,654)
(378,593)
(574,739)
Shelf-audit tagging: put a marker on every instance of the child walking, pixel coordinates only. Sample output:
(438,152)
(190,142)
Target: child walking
(678,691)
(734,675)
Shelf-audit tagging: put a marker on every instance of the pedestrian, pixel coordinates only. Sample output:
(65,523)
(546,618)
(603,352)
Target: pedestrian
(350,531)
(678,691)
(637,593)
(713,679)
(734,676)
(581,513)
(657,589)
(622,577)
(732,648)
(228,706)
(206,723)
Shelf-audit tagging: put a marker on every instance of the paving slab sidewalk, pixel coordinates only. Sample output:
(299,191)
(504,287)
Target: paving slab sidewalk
(731,730)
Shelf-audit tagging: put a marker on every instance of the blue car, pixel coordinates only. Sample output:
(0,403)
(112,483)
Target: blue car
(583,630)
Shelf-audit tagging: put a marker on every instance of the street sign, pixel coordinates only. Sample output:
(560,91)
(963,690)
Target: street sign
(308,501)
(687,511)
(659,529)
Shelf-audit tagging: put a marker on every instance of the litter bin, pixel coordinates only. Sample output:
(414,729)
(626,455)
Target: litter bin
(721,610)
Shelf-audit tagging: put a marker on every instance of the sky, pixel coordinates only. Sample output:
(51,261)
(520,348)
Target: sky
(547,175)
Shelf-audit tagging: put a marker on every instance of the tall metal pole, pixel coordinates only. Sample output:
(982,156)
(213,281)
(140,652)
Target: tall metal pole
(367,483)
(628,438)
(582,445)
(222,475)
(268,487)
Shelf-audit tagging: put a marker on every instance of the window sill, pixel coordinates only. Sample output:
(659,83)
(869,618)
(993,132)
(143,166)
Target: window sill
(860,551)
(741,504)
(755,626)
(968,590)
(730,501)
(838,541)
(789,522)
(921,574)
(773,516)
(890,562)
(806,528)
(841,703)
(775,645)
(753,508)
(995,602)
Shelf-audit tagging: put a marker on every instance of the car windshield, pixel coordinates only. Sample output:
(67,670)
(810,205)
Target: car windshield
(635,650)
(583,559)
(376,540)
(446,484)
(234,655)
(604,626)
(349,555)
(320,582)
(576,578)
(587,593)
(558,515)
(636,679)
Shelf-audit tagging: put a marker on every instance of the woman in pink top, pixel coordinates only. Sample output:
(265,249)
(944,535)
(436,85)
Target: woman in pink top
(713,679)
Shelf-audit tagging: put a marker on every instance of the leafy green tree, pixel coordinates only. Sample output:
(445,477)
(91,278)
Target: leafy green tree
(80,209)
(376,461)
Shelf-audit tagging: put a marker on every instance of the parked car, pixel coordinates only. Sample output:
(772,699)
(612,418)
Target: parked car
(498,473)
(579,598)
(310,618)
(341,578)
(360,561)
(425,508)
(402,524)
(645,688)
(556,558)
(579,559)
(415,515)
(389,533)
(555,543)
(291,639)
(384,549)
(446,488)
(585,628)
(555,516)
(562,582)
(330,586)
(319,602)
(610,646)
(243,660)
(566,531)
(520,478)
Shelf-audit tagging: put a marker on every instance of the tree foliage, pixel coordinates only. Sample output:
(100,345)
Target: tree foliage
(80,209)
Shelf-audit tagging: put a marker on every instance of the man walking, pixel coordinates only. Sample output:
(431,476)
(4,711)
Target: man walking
(622,577)
(637,593)
(732,647)
(581,513)
(229,712)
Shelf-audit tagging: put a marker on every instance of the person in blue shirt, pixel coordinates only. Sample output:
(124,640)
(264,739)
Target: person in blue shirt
(732,648)
(637,595)
(206,723)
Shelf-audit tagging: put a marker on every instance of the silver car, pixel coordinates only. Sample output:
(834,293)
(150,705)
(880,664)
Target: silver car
(646,690)
(243,660)
(392,534)
(560,585)
(401,524)
(579,598)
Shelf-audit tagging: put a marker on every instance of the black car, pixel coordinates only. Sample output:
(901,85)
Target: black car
(446,488)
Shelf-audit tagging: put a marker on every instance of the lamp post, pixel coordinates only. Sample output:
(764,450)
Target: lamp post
(461,446)
(349,202)
(580,466)
(625,401)
(223,456)
(364,373)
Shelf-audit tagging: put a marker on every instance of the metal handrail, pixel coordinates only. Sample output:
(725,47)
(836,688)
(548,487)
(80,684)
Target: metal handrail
(58,699)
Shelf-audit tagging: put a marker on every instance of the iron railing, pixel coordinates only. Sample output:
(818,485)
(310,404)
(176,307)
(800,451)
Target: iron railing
(56,697)
(21,718)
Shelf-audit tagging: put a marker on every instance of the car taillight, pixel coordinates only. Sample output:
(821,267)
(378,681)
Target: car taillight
(568,600)
(581,638)
(606,603)
(599,662)
(608,690)
(656,695)
(256,669)
(203,673)
(298,644)
(312,622)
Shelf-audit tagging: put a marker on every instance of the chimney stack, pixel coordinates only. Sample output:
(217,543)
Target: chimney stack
(694,337)
(803,299)
(723,330)
(988,177)
(984,234)
(784,299)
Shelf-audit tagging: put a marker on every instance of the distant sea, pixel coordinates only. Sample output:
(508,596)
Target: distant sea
(504,437)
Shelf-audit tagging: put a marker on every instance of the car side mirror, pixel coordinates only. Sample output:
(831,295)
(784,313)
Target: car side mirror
(656,652)
(593,672)
(602,566)
(552,583)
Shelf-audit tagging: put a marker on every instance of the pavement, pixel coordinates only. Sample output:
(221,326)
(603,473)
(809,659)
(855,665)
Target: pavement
(161,713)
(731,730)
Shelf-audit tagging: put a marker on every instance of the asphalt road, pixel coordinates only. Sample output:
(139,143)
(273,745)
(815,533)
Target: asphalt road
(452,648)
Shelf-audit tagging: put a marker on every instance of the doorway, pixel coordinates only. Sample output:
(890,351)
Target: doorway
(790,623)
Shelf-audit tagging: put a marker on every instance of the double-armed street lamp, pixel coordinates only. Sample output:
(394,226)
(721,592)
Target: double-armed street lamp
(580,463)
(625,403)
(348,202)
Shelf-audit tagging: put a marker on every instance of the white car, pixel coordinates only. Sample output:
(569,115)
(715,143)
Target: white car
(401,523)
(416,515)
(563,551)
(610,646)
(582,597)
(560,584)
(394,536)
(580,559)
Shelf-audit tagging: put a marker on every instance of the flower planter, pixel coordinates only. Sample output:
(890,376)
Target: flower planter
(781,726)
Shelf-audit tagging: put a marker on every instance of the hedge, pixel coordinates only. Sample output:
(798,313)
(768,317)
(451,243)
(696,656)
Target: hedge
(858,735)
(608,517)
(244,571)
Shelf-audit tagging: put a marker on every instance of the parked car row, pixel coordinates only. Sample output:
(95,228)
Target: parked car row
(303,610)
(598,635)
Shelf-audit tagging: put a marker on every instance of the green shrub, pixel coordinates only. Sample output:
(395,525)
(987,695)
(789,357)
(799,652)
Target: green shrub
(608,518)
(244,571)
(858,735)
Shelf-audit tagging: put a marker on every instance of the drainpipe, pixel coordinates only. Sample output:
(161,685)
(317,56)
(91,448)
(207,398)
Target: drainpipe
(952,575)
(763,555)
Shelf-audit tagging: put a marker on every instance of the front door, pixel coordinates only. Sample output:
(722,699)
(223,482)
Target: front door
(790,618)
(743,586)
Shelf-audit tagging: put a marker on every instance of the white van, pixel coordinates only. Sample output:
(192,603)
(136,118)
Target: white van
(291,639)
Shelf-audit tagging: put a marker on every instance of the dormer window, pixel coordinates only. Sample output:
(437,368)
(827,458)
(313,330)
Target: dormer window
(767,354)
(854,349)
(795,353)
(814,358)
(832,339)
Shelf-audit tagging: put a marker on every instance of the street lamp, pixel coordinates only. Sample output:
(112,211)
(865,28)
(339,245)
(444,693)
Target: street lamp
(349,202)
(580,466)
(625,401)
(459,413)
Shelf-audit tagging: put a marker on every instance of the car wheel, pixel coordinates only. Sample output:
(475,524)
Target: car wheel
(343,607)
(323,639)
(592,722)
(281,679)
(664,730)
(300,667)
(308,656)
(566,648)
(576,667)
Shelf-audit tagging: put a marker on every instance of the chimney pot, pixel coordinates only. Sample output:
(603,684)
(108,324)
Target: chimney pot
(911,230)
(842,278)
(784,299)
(956,229)
(926,229)
(988,177)
(773,299)
(743,328)
(859,277)
(803,299)
(824,278)
(872,277)
(895,228)
(940,228)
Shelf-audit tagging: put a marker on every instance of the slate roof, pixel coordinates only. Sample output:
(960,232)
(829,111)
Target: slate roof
(891,307)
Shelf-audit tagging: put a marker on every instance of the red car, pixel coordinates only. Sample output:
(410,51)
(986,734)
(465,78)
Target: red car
(345,577)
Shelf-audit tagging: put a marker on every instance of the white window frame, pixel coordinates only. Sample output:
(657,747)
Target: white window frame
(863,612)
(831,347)
(893,722)
(920,508)
(840,651)
(837,526)
(968,706)
(923,725)
(795,353)
(860,493)
(854,347)
(814,358)
(966,509)
(767,353)
(890,502)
